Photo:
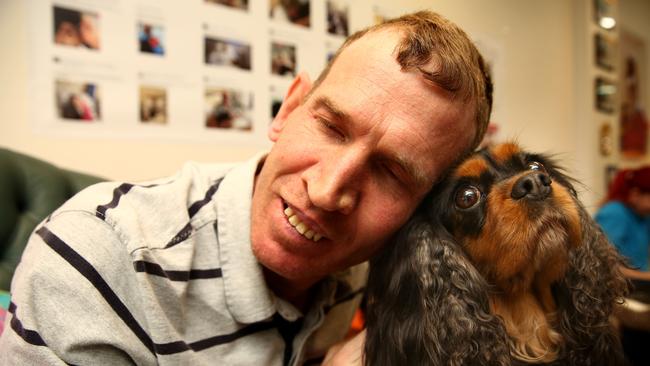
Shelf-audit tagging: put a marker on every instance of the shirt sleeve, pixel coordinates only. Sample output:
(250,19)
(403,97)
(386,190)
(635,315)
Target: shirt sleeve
(72,299)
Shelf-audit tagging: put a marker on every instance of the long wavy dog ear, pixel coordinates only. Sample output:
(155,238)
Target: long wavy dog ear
(586,297)
(427,305)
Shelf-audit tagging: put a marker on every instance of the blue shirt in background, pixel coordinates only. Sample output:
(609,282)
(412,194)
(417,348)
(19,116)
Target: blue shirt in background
(629,232)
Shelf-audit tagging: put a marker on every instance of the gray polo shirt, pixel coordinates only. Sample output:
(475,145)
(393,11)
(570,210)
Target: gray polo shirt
(162,273)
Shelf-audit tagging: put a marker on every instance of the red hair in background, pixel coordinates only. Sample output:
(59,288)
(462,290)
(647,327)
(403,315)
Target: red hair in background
(625,181)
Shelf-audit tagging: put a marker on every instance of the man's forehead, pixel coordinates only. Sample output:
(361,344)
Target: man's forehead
(377,46)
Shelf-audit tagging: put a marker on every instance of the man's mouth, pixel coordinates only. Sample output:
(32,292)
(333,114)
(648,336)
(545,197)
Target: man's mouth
(302,228)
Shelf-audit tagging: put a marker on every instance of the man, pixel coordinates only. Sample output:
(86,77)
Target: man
(258,263)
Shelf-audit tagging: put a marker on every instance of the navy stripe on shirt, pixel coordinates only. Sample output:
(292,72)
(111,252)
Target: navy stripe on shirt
(91,274)
(118,192)
(196,206)
(187,230)
(29,336)
(193,274)
(181,346)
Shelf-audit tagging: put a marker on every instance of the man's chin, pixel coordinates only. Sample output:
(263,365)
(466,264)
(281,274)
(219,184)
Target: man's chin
(289,278)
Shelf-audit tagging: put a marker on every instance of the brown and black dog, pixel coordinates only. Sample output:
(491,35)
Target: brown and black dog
(500,265)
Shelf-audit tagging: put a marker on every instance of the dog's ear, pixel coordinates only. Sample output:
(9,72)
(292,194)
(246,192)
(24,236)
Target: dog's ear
(586,297)
(427,303)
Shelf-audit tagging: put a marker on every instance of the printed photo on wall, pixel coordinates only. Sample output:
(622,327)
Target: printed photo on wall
(77,100)
(227,52)
(277,96)
(605,139)
(283,59)
(606,52)
(237,4)
(605,91)
(337,17)
(609,175)
(604,13)
(291,11)
(634,118)
(151,39)
(228,108)
(153,105)
(75,28)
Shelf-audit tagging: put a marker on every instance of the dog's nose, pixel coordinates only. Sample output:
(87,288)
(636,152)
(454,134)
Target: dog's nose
(535,186)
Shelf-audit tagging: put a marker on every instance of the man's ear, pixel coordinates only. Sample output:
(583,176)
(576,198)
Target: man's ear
(298,90)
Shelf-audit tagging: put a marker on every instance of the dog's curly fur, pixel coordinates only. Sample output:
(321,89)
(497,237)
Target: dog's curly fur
(500,265)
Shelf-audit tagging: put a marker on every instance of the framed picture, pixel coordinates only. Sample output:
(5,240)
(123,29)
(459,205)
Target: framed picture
(227,53)
(605,94)
(153,105)
(151,39)
(633,75)
(77,101)
(236,4)
(606,139)
(228,108)
(605,13)
(76,28)
(610,174)
(296,12)
(283,59)
(337,17)
(606,51)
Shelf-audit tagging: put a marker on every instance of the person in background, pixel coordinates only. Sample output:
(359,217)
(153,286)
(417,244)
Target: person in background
(625,219)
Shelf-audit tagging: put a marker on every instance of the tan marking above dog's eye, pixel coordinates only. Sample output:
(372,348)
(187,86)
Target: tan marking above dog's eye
(467,197)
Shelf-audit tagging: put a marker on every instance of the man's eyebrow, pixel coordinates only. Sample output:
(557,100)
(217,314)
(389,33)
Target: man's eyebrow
(416,174)
(331,107)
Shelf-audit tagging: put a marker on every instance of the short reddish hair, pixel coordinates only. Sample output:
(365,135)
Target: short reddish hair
(626,180)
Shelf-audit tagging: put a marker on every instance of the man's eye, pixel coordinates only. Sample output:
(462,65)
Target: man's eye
(330,128)
(391,172)
(467,197)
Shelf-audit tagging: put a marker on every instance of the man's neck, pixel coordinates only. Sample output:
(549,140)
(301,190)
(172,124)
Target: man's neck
(298,294)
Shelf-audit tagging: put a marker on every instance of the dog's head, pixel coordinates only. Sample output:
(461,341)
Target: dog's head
(514,213)
(500,264)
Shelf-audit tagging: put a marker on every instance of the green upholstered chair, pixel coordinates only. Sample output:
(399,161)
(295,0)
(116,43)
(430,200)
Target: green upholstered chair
(30,189)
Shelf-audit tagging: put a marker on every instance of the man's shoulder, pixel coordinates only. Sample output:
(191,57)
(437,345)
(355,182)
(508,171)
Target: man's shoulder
(100,197)
(153,212)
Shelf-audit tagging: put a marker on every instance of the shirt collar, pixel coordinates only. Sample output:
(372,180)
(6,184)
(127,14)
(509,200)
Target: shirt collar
(247,297)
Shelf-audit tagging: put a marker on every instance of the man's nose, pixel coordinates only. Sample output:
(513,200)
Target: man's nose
(334,183)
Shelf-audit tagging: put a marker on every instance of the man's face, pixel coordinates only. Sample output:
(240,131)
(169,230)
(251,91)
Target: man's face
(352,161)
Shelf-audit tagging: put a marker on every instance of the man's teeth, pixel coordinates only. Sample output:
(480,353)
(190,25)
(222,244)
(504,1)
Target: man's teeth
(300,226)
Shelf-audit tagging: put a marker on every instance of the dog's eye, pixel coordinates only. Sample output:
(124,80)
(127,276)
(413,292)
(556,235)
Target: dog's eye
(467,197)
(533,165)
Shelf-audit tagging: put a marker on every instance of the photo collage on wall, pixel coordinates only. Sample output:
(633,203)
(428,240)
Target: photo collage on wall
(196,71)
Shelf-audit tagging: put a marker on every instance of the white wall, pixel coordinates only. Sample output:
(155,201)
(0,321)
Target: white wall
(535,94)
